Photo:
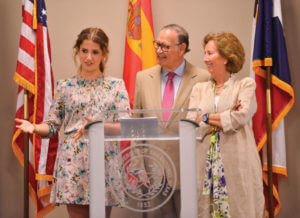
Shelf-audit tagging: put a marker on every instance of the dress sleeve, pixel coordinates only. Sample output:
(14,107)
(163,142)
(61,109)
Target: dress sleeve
(234,120)
(57,110)
(122,100)
(195,99)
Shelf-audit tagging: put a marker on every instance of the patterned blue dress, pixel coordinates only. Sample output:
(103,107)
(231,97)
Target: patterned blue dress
(75,98)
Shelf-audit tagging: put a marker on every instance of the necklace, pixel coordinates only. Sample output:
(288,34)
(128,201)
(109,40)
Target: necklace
(218,89)
(219,86)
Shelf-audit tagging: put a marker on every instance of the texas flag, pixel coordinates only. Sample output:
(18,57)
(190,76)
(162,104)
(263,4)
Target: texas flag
(269,50)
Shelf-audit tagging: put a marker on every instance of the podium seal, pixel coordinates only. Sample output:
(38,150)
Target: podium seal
(140,197)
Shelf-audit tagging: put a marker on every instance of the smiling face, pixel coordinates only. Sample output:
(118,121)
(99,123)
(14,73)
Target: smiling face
(168,52)
(90,56)
(216,64)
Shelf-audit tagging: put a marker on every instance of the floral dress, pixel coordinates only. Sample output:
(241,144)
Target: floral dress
(75,98)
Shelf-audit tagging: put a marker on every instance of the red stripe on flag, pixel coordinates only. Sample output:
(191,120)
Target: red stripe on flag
(53,145)
(41,74)
(39,102)
(27,46)
(147,9)
(132,64)
(139,41)
(279,101)
(49,50)
(27,19)
(25,72)
(259,118)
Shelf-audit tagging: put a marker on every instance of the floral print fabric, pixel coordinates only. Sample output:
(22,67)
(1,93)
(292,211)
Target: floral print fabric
(214,178)
(76,98)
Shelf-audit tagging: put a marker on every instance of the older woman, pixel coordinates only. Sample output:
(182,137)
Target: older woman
(229,168)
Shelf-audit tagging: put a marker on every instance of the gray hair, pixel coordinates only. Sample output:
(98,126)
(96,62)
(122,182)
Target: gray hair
(183,36)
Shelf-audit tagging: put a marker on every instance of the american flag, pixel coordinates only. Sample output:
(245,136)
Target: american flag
(34,73)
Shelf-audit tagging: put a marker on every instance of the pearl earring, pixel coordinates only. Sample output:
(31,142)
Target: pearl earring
(225,62)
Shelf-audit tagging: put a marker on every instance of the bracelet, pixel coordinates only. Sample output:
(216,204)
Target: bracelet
(51,131)
(35,128)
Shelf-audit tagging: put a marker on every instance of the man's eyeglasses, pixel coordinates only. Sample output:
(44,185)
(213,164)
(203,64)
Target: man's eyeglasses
(162,46)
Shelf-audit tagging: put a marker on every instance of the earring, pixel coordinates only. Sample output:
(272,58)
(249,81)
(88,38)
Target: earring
(225,62)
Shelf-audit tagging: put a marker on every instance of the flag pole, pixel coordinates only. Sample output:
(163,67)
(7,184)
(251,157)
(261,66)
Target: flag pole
(26,159)
(269,143)
(26,135)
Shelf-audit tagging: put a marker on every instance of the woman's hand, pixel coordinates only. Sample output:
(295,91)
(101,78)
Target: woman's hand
(213,129)
(80,132)
(209,131)
(237,106)
(25,126)
(199,118)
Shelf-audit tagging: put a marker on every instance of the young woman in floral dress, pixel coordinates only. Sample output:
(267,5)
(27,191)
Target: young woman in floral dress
(83,95)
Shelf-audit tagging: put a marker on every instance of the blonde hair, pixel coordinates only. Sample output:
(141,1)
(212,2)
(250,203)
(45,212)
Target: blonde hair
(229,48)
(99,37)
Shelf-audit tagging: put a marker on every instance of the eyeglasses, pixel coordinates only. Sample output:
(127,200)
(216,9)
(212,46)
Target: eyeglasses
(162,46)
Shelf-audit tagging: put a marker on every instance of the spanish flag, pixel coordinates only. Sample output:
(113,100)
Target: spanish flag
(139,49)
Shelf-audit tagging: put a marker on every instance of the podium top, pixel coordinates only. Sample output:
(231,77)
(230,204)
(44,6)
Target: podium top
(122,125)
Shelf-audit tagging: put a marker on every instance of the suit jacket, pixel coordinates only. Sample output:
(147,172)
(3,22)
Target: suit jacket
(148,96)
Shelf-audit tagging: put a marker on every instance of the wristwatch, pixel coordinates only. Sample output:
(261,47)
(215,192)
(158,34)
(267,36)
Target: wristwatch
(205,118)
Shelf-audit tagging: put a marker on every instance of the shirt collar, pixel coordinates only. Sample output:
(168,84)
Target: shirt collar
(179,71)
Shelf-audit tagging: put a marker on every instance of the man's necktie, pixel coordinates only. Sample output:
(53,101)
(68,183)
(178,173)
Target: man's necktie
(168,97)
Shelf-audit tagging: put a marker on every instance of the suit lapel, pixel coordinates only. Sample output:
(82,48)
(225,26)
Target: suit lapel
(184,88)
(155,90)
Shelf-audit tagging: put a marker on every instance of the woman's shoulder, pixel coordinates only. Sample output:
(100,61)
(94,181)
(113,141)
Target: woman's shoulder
(202,85)
(246,81)
(67,82)
(110,80)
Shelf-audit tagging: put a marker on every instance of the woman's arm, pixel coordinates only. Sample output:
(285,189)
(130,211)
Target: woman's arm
(234,119)
(56,114)
(41,129)
(214,119)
